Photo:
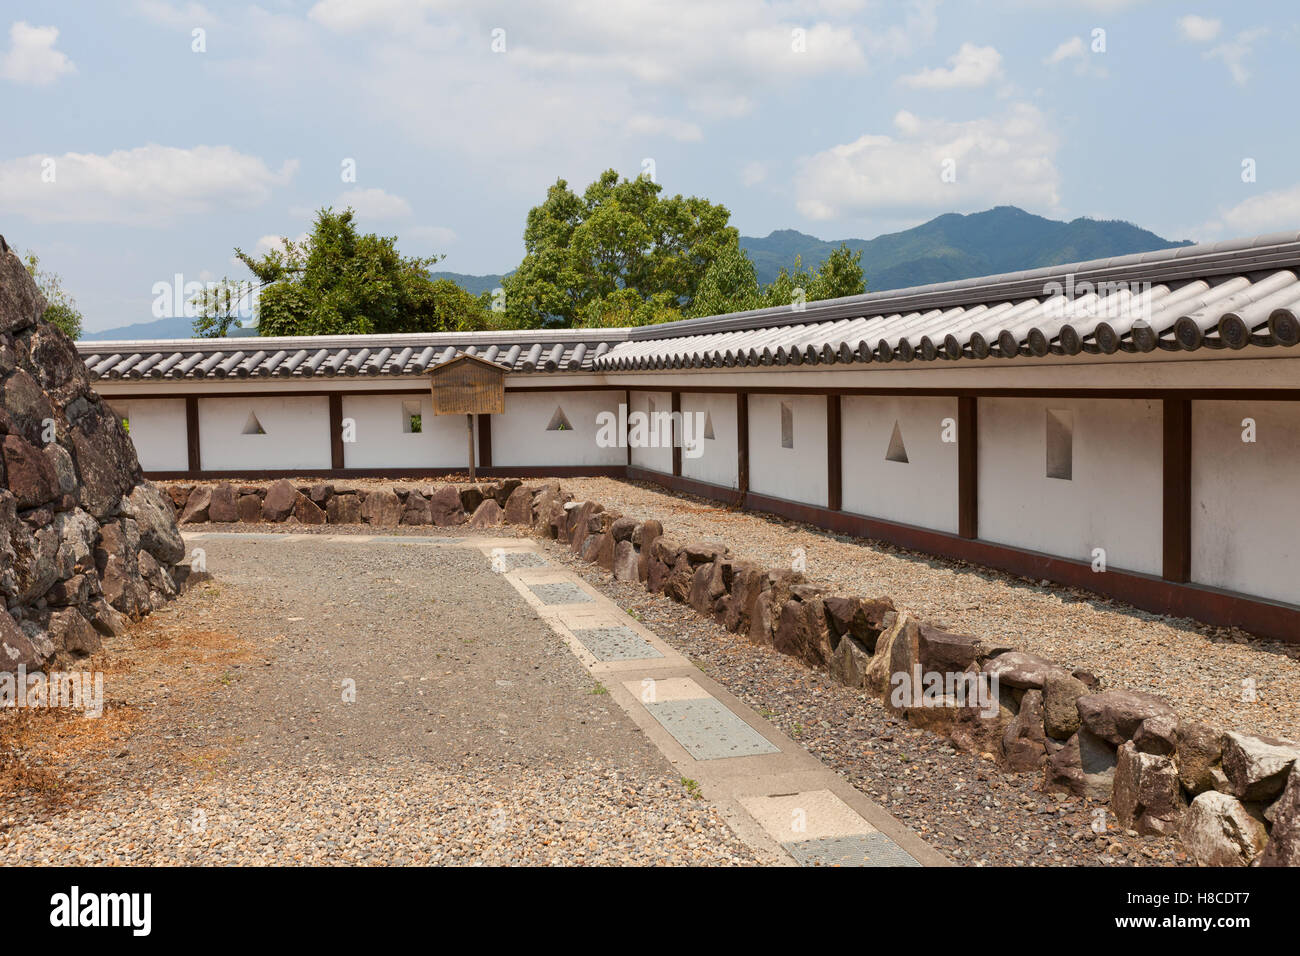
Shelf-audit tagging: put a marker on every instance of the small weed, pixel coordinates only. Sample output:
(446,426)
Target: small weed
(692,788)
(599,689)
(797,729)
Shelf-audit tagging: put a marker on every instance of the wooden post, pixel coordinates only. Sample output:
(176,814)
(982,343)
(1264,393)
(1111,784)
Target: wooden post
(485,440)
(967,467)
(195,459)
(336,431)
(742,447)
(469,426)
(1177,510)
(677,438)
(834,454)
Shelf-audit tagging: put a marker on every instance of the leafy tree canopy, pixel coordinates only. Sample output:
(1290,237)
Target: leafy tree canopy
(62,310)
(730,284)
(340,282)
(618,253)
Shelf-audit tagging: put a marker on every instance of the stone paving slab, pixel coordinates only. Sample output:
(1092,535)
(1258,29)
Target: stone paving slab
(708,730)
(866,849)
(615,643)
(560,592)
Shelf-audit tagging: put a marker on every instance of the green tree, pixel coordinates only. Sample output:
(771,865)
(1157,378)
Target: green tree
(731,285)
(620,252)
(338,281)
(62,309)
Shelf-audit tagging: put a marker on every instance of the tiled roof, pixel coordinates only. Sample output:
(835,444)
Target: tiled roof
(557,350)
(1224,295)
(1216,296)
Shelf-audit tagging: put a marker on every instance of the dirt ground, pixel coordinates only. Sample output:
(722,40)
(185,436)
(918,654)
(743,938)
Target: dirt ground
(473,736)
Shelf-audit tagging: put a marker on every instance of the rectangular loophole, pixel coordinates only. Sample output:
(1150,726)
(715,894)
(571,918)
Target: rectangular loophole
(412,419)
(1060,444)
(787,425)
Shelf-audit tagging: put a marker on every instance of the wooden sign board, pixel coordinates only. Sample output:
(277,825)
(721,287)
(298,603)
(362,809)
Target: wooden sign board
(468,385)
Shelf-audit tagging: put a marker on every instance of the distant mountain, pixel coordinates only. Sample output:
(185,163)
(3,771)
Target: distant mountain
(178,328)
(471,284)
(952,246)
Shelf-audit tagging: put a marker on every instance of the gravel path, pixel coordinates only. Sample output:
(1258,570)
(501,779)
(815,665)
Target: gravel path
(474,736)
(1206,673)
(966,807)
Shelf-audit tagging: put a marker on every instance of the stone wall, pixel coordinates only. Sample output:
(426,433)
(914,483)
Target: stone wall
(1232,798)
(84,539)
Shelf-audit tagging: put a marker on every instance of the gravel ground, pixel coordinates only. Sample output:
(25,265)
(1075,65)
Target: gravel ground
(474,736)
(1200,670)
(966,807)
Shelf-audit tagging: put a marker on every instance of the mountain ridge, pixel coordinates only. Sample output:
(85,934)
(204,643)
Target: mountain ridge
(948,247)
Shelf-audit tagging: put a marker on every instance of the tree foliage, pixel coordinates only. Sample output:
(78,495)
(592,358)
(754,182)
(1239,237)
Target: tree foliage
(338,281)
(620,253)
(62,309)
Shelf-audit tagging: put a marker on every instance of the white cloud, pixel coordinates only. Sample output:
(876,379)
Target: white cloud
(374,203)
(1268,212)
(1199,29)
(146,186)
(1071,49)
(31,58)
(1236,53)
(1002,159)
(753,173)
(970,66)
(680,130)
(438,235)
(174,14)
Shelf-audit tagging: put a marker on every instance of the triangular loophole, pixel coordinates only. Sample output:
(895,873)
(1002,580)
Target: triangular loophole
(708,426)
(897,450)
(253,426)
(559,421)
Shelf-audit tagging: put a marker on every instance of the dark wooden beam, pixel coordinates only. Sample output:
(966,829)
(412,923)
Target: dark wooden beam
(834,455)
(742,444)
(485,441)
(677,438)
(1177,565)
(336,430)
(968,465)
(192,432)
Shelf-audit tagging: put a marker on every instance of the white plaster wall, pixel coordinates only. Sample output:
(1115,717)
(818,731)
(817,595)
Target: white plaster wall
(158,431)
(1245,526)
(717,462)
(652,459)
(297,433)
(519,437)
(798,473)
(922,491)
(381,442)
(1113,501)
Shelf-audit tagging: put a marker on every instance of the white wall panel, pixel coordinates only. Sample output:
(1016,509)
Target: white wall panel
(1113,499)
(297,433)
(158,431)
(652,458)
(1245,526)
(382,442)
(921,491)
(798,473)
(716,463)
(520,436)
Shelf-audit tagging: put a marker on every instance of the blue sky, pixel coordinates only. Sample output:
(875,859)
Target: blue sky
(834,117)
